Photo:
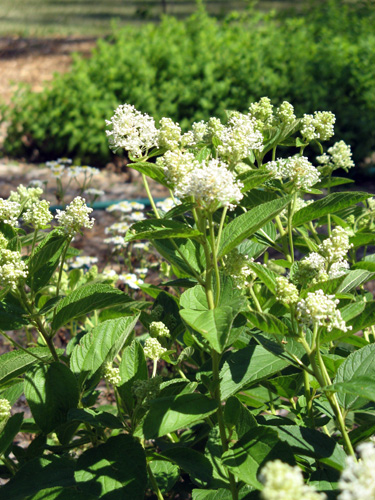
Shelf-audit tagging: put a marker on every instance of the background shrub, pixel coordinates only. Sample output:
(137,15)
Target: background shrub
(190,70)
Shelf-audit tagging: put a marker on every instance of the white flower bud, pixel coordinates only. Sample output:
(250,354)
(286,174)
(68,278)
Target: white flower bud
(153,349)
(112,374)
(38,215)
(335,248)
(75,217)
(357,481)
(158,329)
(286,292)
(12,268)
(9,212)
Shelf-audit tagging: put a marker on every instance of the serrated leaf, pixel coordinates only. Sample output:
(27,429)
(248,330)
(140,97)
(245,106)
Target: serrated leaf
(86,299)
(11,429)
(253,178)
(133,367)
(159,229)
(358,364)
(51,391)
(267,323)
(12,315)
(193,255)
(100,345)
(95,418)
(237,416)
(165,473)
(353,279)
(172,413)
(15,363)
(150,170)
(246,367)
(265,275)
(360,387)
(191,461)
(332,203)
(245,225)
(115,469)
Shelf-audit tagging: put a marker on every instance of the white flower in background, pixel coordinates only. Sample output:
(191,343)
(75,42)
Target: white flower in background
(167,204)
(153,349)
(285,113)
(141,271)
(135,205)
(12,268)
(286,292)
(56,169)
(141,246)
(64,161)
(321,309)
(118,243)
(83,261)
(38,215)
(74,171)
(109,274)
(89,171)
(297,168)
(26,196)
(131,130)
(75,217)
(211,183)
(339,156)
(112,374)
(318,126)
(131,280)
(176,165)
(137,216)
(284,482)
(9,212)
(94,192)
(262,111)
(158,329)
(335,248)
(357,480)
(239,138)
(36,183)
(169,134)
(117,228)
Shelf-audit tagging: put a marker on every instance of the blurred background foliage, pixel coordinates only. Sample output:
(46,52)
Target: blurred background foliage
(320,56)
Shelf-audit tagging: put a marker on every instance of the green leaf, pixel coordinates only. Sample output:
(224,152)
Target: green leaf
(10,431)
(165,473)
(133,367)
(253,178)
(38,474)
(265,275)
(353,279)
(95,418)
(237,416)
(267,323)
(330,204)
(193,255)
(176,412)
(253,451)
(333,181)
(191,461)
(358,364)
(150,170)
(180,209)
(12,315)
(15,363)
(313,443)
(361,387)
(101,345)
(62,493)
(247,224)
(115,469)
(51,390)
(246,367)
(86,299)
(159,229)
(45,259)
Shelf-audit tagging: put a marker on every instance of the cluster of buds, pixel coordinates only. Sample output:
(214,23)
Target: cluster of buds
(286,292)
(112,374)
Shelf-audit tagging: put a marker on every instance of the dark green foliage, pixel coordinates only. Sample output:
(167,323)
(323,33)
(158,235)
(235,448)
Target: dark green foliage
(190,70)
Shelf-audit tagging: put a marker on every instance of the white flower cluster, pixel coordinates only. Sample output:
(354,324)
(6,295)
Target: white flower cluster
(158,329)
(284,482)
(76,170)
(57,169)
(297,168)
(117,228)
(285,113)
(237,266)
(212,184)
(177,165)
(112,374)
(318,126)
(321,309)
(75,217)
(131,280)
(83,261)
(262,111)
(9,212)
(109,274)
(153,349)
(95,193)
(286,292)
(38,215)
(335,248)
(132,130)
(169,134)
(357,481)
(239,138)
(339,156)
(12,268)
(5,408)
(125,207)
(117,242)
(26,196)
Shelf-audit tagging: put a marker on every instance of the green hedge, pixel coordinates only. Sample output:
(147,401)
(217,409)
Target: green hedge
(189,70)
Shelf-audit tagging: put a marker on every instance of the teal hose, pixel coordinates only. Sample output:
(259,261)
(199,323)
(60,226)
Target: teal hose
(102,205)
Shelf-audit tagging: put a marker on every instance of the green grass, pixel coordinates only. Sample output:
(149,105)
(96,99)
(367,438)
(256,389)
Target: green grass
(42,18)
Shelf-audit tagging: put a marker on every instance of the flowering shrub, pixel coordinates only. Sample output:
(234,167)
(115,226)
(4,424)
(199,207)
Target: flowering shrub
(248,374)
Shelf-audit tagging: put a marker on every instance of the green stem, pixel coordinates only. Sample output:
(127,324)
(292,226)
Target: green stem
(219,233)
(329,224)
(150,197)
(290,225)
(154,367)
(308,397)
(62,266)
(255,299)
(314,233)
(154,484)
(282,235)
(214,258)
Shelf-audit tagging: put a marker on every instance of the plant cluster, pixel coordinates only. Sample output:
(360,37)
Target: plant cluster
(246,376)
(190,70)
